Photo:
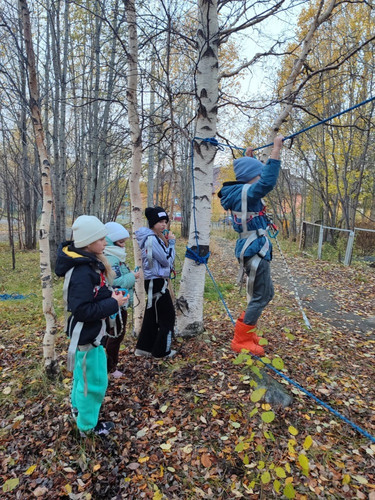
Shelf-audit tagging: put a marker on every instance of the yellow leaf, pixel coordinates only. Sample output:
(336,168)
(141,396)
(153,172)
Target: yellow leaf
(68,488)
(141,460)
(30,470)
(10,484)
(214,412)
(280,472)
(346,479)
(303,461)
(158,495)
(307,443)
(96,467)
(293,430)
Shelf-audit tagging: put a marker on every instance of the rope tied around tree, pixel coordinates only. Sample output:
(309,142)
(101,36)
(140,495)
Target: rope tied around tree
(199,259)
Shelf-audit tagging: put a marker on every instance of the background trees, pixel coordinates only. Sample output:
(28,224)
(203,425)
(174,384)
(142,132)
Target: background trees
(279,67)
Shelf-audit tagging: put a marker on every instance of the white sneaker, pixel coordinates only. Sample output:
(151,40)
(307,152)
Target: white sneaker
(140,352)
(117,374)
(170,355)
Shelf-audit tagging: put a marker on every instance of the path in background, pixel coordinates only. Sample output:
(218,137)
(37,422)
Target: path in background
(320,299)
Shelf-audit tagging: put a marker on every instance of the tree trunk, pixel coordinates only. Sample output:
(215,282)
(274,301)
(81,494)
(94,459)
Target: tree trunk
(193,274)
(136,148)
(50,361)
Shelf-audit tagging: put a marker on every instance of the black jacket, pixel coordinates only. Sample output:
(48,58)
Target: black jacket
(89,298)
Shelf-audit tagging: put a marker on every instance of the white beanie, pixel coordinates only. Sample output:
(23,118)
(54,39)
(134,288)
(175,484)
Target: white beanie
(116,231)
(87,229)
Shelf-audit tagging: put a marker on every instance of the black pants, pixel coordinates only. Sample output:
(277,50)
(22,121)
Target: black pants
(112,345)
(158,322)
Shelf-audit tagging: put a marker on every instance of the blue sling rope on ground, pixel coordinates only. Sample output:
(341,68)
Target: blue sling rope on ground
(14,296)
(191,254)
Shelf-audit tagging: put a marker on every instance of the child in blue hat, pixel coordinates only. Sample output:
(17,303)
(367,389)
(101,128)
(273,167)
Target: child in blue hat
(243,197)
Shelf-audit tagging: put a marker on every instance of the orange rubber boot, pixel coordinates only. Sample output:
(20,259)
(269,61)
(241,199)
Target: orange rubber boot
(245,338)
(240,320)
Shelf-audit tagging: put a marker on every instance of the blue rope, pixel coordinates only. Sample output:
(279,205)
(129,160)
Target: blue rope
(220,145)
(14,296)
(199,259)
(319,123)
(296,384)
(191,254)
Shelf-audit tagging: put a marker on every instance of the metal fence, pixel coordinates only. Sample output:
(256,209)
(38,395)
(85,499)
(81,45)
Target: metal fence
(349,245)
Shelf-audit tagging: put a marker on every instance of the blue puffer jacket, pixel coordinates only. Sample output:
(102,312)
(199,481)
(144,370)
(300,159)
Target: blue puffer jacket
(162,256)
(89,298)
(230,198)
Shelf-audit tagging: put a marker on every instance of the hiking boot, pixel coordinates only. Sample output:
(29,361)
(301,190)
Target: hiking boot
(140,352)
(74,413)
(101,429)
(170,355)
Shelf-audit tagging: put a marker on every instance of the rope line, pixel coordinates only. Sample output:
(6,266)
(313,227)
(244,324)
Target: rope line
(294,284)
(195,255)
(319,123)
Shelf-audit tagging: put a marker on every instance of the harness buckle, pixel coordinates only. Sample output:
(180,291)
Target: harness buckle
(272,230)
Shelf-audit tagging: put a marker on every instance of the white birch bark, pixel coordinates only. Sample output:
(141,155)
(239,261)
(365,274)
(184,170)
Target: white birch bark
(50,361)
(190,322)
(136,147)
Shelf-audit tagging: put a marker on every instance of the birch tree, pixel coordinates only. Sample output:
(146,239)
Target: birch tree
(190,301)
(136,146)
(193,274)
(50,361)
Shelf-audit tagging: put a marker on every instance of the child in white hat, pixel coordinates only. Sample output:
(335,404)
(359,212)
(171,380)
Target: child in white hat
(124,279)
(90,300)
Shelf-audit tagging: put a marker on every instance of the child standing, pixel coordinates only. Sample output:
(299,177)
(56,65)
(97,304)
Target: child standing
(253,248)
(158,254)
(89,300)
(124,278)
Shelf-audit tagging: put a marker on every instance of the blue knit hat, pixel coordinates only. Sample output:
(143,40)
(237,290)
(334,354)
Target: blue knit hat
(246,168)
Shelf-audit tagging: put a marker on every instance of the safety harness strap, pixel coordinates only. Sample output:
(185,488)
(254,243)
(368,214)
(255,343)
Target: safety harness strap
(250,237)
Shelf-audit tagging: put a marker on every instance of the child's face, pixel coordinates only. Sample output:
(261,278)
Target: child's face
(120,243)
(160,226)
(97,247)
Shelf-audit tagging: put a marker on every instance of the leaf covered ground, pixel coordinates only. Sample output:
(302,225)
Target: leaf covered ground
(196,426)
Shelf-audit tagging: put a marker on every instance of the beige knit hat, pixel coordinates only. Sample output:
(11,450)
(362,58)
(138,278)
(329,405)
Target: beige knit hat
(87,229)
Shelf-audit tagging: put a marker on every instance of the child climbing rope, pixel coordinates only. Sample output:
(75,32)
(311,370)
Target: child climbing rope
(125,279)
(158,254)
(253,248)
(90,301)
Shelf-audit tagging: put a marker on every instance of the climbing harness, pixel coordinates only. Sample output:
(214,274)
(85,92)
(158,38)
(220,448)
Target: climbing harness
(75,333)
(241,219)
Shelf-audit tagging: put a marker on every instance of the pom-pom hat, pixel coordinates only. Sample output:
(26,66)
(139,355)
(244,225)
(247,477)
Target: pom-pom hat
(246,168)
(87,229)
(155,214)
(116,231)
